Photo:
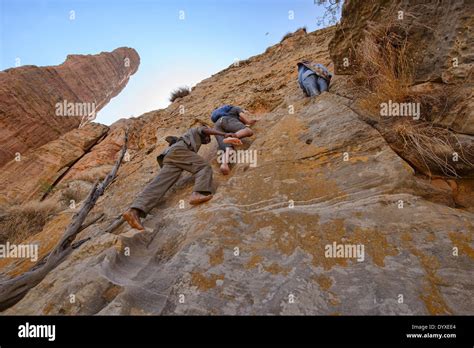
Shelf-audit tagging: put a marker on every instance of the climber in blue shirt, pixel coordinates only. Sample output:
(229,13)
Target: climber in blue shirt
(313,78)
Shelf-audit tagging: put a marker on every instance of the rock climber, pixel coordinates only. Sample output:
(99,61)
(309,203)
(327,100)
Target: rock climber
(314,78)
(181,154)
(231,119)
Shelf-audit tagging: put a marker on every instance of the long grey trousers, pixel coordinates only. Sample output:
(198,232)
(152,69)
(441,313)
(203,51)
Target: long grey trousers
(314,85)
(178,159)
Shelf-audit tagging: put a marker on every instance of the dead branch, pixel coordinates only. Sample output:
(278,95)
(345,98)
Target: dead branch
(77,244)
(116,223)
(91,222)
(13,290)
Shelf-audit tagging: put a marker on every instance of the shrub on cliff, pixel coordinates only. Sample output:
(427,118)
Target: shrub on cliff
(74,195)
(290,34)
(93,174)
(384,72)
(385,75)
(332,10)
(179,93)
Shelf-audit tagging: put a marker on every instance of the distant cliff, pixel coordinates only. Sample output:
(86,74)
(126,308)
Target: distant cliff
(39,104)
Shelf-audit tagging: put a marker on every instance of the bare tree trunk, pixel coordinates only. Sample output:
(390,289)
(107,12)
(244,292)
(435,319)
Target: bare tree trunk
(13,290)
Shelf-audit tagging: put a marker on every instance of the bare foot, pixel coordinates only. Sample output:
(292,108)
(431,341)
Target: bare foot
(131,216)
(233,141)
(225,170)
(197,198)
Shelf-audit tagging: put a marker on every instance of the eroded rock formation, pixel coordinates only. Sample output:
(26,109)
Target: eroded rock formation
(432,43)
(37,172)
(439,47)
(29,96)
(323,176)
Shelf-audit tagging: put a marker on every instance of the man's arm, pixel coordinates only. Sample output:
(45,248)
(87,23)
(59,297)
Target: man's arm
(212,131)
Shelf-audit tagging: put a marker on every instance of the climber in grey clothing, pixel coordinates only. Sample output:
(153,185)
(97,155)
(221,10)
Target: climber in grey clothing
(180,155)
(313,78)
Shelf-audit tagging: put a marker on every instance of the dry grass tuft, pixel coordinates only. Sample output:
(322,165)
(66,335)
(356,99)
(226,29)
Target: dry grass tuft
(384,72)
(179,93)
(93,174)
(290,34)
(434,146)
(22,221)
(76,194)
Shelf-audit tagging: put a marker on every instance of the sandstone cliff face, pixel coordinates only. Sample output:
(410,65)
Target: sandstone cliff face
(439,45)
(438,32)
(39,170)
(323,176)
(29,94)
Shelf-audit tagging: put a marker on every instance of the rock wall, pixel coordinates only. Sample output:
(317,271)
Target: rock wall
(29,94)
(433,43)
(440,46)
(39,170)
(323,176)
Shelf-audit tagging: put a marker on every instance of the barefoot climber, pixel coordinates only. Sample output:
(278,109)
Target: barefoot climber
(180,155)
(229,118)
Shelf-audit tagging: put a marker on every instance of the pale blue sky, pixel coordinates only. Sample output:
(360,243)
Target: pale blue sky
(173,52)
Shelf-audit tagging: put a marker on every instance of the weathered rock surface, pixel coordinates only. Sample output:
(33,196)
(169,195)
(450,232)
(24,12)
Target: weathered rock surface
(440,45)
(456,110)
(323,176)
(28,96)
(37,172)
(432,43)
